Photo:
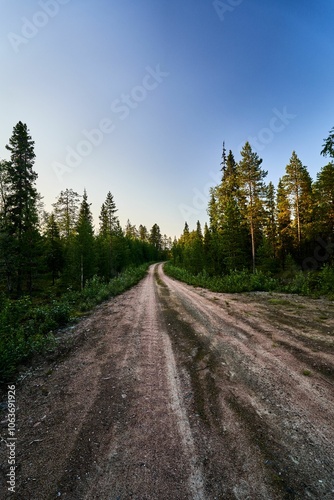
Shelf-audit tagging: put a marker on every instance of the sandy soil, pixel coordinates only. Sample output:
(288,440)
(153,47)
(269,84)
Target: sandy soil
(173,392)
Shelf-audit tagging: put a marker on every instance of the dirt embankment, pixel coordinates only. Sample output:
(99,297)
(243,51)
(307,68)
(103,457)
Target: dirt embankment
(171,392)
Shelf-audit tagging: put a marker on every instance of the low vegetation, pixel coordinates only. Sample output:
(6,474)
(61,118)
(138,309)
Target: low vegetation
(28,328)
(313,284)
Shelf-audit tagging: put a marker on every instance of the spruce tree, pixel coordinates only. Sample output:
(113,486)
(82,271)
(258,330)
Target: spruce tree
(186,231)
(230,201)
(328,146)
(324,202)
(20,218)
(53,248)
(3,188)
(110,240)
(198,250)
(208,250)
(109,223)
(85,243)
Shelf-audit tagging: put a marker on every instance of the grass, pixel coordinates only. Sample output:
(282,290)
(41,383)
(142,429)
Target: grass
(235,282)
(27,329)
(313,284)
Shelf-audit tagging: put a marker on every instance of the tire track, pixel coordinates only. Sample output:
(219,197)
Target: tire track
(169,392)
(284,414)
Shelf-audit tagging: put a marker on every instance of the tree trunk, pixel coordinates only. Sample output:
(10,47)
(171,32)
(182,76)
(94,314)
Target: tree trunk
(253,244)
(82,273)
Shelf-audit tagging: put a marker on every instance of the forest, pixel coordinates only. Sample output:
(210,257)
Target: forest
(262,237)
(54,266)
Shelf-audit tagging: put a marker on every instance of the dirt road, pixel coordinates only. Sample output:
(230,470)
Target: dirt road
(172,392)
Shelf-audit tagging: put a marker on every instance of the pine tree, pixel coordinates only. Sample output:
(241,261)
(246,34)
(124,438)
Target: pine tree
(284,221)
(270,229)
(155,237)
(143,233)
(66,211)
(253,190)
(298,185)
(166,243)
(131,230)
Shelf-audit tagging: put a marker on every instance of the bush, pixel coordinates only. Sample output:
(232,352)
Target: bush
(326,281)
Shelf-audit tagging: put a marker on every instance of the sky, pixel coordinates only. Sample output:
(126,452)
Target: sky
(137,96)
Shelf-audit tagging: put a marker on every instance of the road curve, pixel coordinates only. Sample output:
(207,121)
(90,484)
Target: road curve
(173,392)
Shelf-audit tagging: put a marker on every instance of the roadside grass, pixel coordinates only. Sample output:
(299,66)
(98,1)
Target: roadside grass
(27,329)
(312,284)
(236,282)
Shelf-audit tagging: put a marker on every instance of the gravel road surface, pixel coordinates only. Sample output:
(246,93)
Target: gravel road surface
(174,392)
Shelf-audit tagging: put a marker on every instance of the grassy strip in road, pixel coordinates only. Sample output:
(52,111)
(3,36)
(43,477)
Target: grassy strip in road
(27,329)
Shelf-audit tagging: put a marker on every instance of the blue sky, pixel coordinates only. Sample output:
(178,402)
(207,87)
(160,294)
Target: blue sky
(137,96)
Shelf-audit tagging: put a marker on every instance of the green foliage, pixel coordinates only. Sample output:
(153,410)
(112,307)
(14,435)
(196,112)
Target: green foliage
(26,329)
(298,186)
(312,284)
(233,282)
(328,146)
(325,281)
(66,210)
(97,290)
(253,191)
(19,236)
(323,210)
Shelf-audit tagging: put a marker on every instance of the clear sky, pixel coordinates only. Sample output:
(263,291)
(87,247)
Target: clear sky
(137,96)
